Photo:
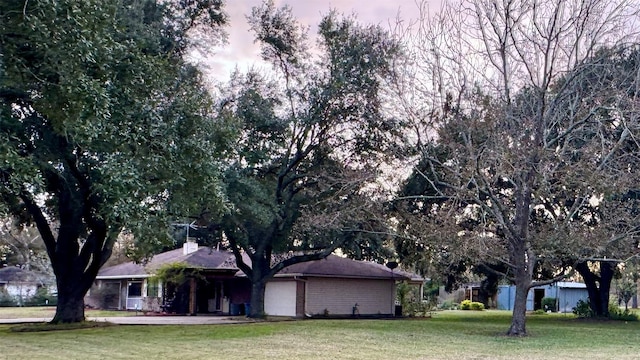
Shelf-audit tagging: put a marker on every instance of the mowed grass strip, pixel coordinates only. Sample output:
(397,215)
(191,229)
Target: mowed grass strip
(47,312)
(448,335)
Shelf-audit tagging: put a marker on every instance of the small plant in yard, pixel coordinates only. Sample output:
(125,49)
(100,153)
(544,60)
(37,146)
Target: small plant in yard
(471,305)
(549,304)
(582,309)
(615,313)
(7,300)
(448,305)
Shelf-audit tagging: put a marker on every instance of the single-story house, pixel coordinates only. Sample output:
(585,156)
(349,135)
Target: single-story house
(22,284)
(333,286)
(566,293)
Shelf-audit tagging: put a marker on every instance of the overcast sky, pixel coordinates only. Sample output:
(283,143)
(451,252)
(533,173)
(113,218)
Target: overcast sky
(240,50)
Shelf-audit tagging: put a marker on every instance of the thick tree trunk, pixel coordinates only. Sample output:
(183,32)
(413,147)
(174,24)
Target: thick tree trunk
(519,317)
(598,286)
(70,307)
(256,307)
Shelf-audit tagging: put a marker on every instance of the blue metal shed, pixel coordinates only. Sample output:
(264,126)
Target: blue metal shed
(566,293)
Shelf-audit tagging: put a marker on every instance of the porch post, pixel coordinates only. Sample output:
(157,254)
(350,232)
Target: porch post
(192,296)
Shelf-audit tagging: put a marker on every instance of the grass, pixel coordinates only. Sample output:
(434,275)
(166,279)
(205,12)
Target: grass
(47,312)
(447,335)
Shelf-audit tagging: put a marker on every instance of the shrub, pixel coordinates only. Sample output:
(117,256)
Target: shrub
(42,297)
(583,309)
(615,313)
(7,300)
(471,305)
(448,305)
(103,297)
(549,303)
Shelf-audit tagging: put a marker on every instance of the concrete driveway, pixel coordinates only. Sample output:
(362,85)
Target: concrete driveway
(149,320)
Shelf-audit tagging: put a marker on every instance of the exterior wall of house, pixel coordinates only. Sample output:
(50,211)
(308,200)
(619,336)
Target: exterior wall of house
(339,296)
(280,298)
(21,291)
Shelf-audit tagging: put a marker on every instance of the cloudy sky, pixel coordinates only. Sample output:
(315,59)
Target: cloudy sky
(241,52)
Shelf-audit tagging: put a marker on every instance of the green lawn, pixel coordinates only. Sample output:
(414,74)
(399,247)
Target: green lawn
(49,311)
(448,335)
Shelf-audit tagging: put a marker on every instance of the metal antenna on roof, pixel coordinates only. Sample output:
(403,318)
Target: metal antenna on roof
(187,226)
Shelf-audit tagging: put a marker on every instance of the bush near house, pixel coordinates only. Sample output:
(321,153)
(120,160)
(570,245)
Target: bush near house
(471,305)
(583,310)
(42,297)
(549,303)
(7,300)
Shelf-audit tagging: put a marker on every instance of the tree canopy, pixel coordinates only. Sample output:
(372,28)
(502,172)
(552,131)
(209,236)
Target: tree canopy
(104,127)
(523,138)
(312,136)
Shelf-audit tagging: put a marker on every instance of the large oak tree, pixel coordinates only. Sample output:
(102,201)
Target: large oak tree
(104,127)
(312,137)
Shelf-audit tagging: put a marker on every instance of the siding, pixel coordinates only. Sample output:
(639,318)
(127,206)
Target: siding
(338,296)
(567,296)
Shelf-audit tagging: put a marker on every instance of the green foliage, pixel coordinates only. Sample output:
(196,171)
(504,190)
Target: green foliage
(176,273)
(616,313)
(549,303)
(409,298)
(7,300)
(311,136)
(449,305)
(105,127)
(583,309)
(42,297)
(471,305)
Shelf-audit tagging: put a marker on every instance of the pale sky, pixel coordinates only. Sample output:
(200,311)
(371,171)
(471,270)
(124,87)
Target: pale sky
(240,50)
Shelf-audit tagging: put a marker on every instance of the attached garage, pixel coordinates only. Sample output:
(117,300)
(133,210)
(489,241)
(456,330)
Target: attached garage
(340,296)
(333,286)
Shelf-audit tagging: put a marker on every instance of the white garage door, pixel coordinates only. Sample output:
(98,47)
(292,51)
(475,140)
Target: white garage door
(280,298)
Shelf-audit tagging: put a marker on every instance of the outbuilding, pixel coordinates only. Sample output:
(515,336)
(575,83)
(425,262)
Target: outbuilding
(566,295)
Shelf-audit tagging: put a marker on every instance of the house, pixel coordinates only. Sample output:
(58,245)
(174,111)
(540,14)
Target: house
(22,284)
(334,286)
(567,295)
(131,286)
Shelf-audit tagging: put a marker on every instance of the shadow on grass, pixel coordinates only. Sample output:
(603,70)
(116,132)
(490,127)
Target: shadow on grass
(60,327)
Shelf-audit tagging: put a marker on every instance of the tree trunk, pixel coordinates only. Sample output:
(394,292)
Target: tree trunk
(598,286)
(519,317)
(70,307)
(256,307)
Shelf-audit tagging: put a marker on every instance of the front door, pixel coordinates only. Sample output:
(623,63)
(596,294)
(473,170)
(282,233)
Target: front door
(214,302)
(134,295)
(538,295)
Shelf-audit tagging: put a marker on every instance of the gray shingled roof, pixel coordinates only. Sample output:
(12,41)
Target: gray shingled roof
(337,266)
(204,257)
(207,258)
(16,274)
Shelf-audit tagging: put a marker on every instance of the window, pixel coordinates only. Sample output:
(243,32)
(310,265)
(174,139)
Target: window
(152,288)
(135,289)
